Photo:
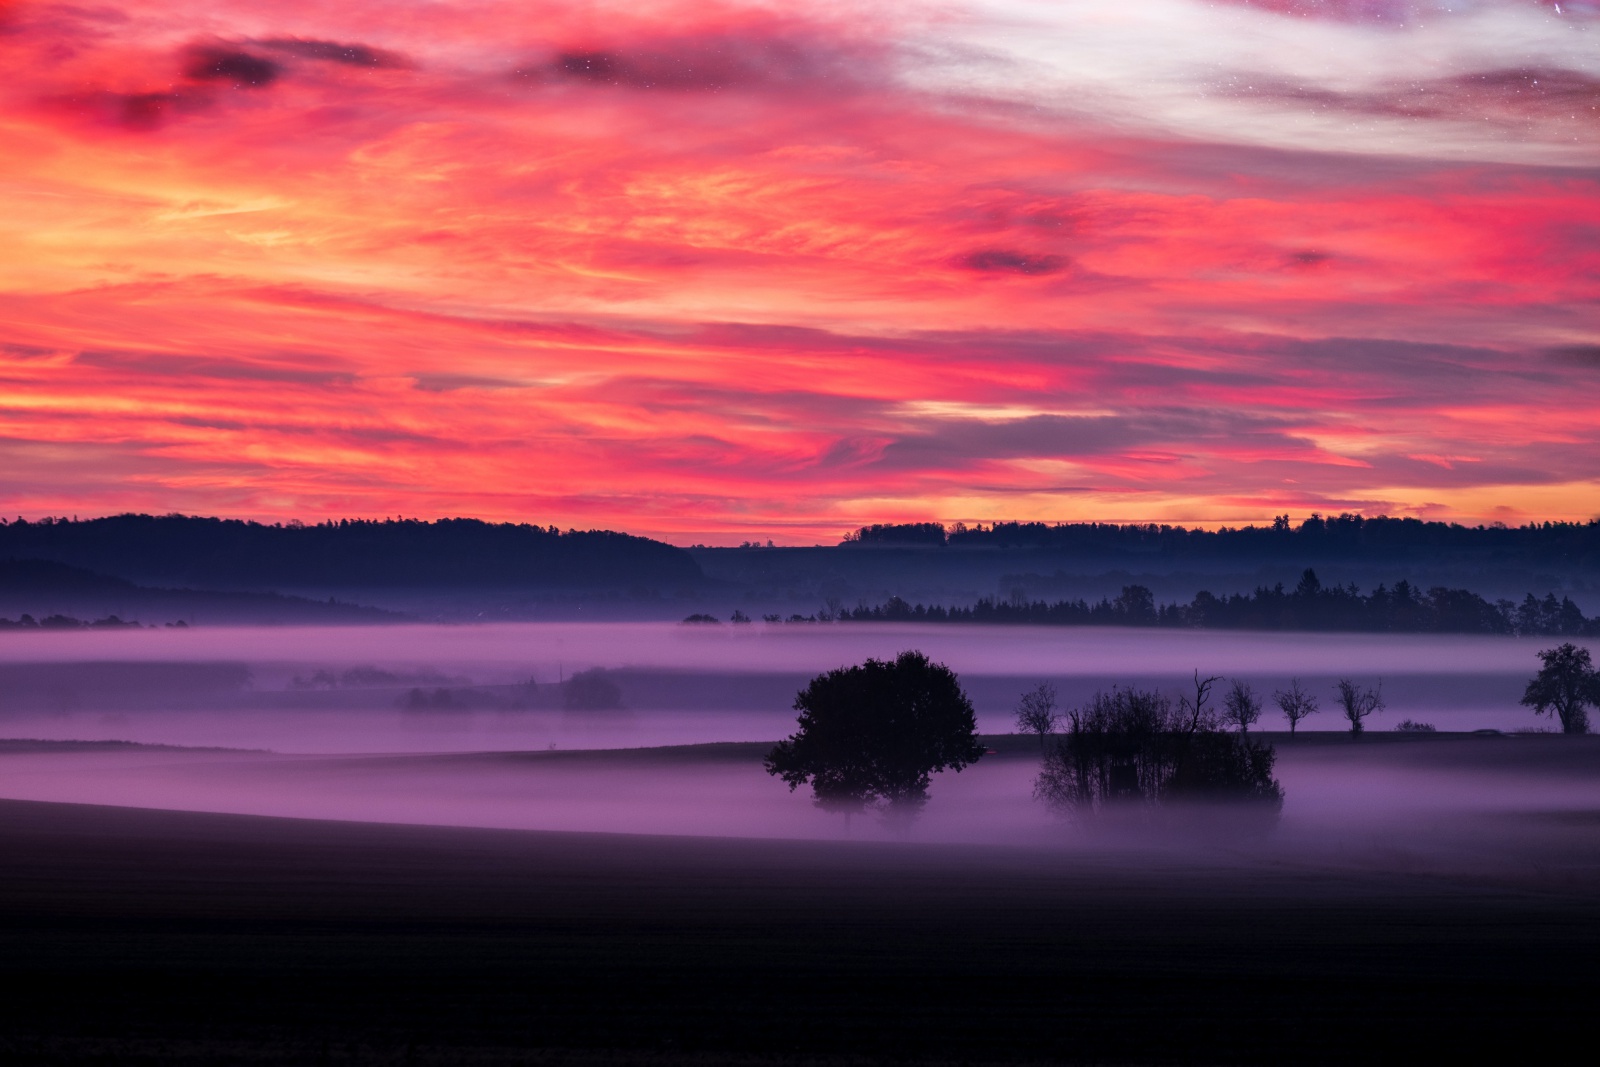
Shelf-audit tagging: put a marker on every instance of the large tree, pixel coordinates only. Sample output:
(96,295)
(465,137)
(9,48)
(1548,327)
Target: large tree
(877,732)
(1566,687)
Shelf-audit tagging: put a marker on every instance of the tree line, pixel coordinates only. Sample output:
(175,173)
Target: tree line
(1345,536)
(1402,608)
(70,622)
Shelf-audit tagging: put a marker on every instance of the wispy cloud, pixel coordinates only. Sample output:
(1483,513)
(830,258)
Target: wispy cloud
(689,267)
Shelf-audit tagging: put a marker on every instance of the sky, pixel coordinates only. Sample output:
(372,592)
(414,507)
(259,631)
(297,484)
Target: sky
(708,271)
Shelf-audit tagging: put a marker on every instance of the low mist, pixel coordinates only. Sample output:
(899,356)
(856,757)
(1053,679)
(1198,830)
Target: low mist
(499,687)
(475,726)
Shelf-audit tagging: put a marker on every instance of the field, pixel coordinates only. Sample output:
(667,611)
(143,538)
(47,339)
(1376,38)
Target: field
(204,860)
(141,936)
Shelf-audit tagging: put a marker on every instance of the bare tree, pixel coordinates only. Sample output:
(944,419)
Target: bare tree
(1358,702)
(1036,711)
(1195,711)
(1295,703)
(1241,707)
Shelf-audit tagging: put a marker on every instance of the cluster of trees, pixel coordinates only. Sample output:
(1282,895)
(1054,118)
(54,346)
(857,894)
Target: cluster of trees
(874,734)
(1345,536)
(591,690)
(68,622)
(1134,746)
(348,553)
(587,691)
(904,533)
(370,677)
(1309,606)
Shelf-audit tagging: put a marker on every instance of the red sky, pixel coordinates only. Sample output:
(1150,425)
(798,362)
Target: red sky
(716,271)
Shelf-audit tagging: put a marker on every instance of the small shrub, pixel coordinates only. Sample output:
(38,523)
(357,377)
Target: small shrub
(1408,727)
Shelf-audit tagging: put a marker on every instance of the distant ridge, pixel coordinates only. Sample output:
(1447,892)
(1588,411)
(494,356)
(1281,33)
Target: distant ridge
(18,576)
(46,588)
(349,554)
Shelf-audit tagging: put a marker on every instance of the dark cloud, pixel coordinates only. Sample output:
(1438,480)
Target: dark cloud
(184,366)
(1487,94)
(1009,261)
(136,111)
(21,351)
(1577,355)
(350,55)
(144,111)
(1395,13)
(953,442)
(855,451)
(242,70)
(602,67)
(1308,257)
(449,383)
(776,409)
(714,63)
(1551,83)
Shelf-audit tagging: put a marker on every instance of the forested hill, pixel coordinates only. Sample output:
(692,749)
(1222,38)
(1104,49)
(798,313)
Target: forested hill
(1344,538)
(350,554)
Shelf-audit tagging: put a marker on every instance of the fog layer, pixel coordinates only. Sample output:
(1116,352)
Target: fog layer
(473,726)
(498,687)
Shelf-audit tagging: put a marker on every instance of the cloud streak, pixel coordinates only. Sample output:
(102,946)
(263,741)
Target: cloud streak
(709,270)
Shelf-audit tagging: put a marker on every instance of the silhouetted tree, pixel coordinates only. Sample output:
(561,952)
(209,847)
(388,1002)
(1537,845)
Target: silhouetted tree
(1135,606)
(1566,686)
(1295,703)
(1036,711)
(1358,702)
(1310,585)
(591,690)
(1241,707)
(877,732)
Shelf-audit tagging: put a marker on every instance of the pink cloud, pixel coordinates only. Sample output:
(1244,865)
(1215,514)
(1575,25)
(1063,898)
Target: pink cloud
(694,267)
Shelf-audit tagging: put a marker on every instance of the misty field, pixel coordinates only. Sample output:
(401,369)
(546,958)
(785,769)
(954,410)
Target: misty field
(415,845)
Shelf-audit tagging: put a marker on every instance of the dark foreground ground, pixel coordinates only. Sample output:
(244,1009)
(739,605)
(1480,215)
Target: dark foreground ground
(134,936)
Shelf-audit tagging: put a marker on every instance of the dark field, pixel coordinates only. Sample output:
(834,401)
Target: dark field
(137,936)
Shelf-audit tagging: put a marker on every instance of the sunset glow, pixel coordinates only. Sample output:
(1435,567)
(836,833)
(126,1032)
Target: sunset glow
(712,270)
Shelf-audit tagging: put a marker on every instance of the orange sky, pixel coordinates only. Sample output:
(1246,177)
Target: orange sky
(717,271)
